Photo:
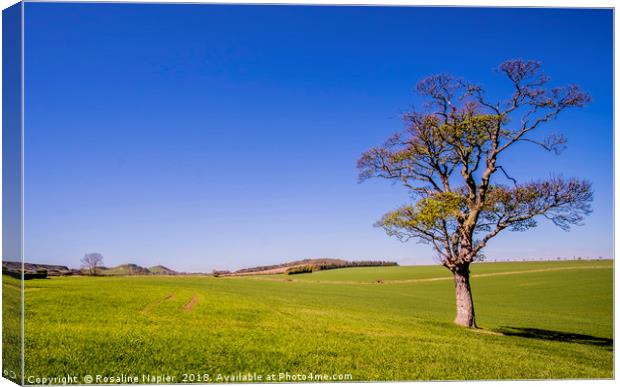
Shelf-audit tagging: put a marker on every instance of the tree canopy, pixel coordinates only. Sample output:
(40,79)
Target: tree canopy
(448,157)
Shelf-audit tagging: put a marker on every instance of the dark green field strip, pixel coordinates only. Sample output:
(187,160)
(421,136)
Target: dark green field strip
(392,275)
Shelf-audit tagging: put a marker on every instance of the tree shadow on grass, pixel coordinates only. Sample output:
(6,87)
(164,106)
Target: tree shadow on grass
(564,337)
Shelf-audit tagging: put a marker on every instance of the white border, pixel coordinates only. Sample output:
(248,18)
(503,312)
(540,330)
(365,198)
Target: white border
(480,3)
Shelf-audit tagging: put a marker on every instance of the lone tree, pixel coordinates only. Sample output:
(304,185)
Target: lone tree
(91,261)
(449,157)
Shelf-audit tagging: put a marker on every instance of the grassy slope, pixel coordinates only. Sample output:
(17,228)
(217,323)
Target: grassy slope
(393,331)
(119,270)
(160,270)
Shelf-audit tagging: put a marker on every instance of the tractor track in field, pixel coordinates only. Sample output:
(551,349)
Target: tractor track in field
(191,303)
(432,279)
(156,303)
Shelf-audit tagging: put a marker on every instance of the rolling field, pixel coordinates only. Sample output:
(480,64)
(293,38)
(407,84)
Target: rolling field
(539,320)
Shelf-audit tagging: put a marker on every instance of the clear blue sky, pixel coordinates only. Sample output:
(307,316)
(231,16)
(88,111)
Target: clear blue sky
(204,137)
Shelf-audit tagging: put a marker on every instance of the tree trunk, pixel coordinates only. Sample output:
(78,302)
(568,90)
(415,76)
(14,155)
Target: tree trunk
(464,302)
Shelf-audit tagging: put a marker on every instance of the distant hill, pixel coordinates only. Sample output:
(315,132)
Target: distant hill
(286,265)
(162,270)
(315,263)
(126,269)
(52,270)
(11,267)
(133,269)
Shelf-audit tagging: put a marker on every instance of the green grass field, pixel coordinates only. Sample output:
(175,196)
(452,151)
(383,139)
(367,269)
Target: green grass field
(539,320)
